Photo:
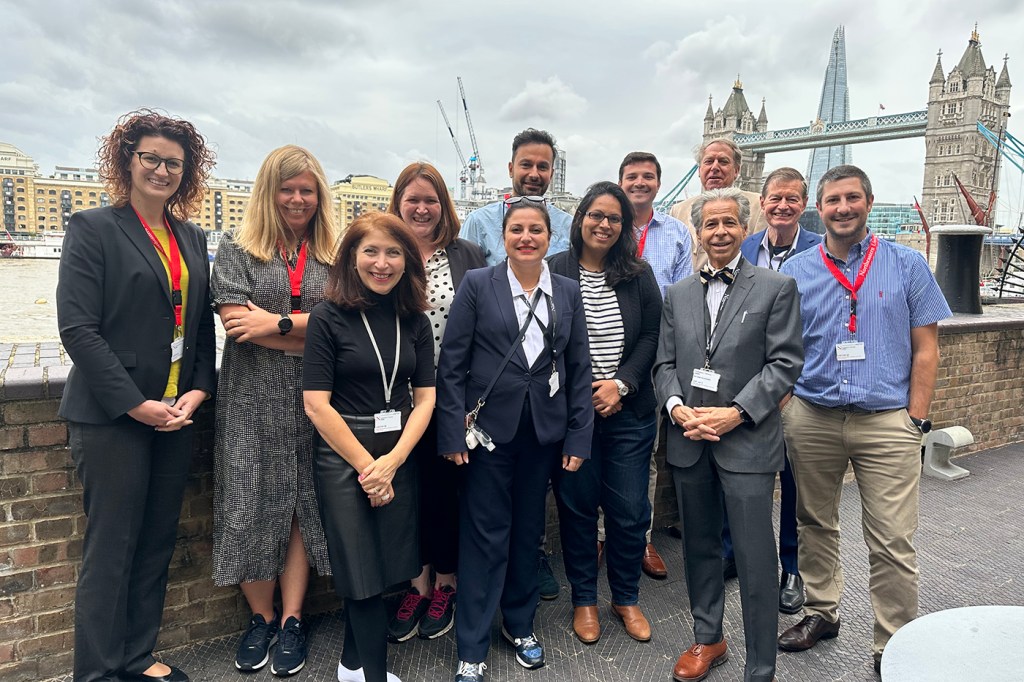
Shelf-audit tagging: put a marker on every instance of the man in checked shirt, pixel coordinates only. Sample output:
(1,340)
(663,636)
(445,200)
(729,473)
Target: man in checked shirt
(870,310)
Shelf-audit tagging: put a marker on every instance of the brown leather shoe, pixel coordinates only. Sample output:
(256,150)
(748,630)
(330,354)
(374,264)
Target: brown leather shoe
(653,564)
(586,624)
(807,632)
(633,618)
(697,661)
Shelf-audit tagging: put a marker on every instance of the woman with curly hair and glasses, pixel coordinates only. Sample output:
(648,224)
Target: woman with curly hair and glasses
(133,309)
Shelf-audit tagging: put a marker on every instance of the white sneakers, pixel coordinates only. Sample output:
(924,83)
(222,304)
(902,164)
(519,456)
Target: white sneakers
(346,675)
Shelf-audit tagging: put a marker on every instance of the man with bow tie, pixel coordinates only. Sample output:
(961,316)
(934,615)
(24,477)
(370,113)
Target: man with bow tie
(730,349)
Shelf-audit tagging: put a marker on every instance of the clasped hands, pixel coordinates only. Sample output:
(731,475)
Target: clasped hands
(164,417)
(706,423)
(606,398)
(569,463)
(376,478)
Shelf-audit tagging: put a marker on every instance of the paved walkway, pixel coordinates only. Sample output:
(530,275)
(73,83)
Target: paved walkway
(970,553)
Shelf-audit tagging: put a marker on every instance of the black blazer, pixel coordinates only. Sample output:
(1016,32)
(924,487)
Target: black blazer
(640,305)
(482,326)
(463,256)
(116,319)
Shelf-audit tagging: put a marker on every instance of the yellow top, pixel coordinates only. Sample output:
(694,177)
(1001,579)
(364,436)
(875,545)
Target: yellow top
(160,232)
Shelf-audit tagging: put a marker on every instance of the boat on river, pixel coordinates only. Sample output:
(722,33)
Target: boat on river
(44,245)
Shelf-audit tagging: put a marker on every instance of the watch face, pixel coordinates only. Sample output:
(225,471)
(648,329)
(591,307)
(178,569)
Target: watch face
(285,324)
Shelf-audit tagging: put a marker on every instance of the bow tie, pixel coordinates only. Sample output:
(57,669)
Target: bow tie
(725,274)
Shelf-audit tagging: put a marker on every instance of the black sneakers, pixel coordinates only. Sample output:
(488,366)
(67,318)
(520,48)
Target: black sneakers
(405,624)
(440,616)
(290,654)
(254,648)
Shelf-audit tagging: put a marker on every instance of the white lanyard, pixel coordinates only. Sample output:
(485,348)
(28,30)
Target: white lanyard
(380,361)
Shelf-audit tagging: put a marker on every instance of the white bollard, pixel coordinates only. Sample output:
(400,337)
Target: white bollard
(939,446)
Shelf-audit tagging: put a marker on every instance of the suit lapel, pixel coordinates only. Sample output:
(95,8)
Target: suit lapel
(502,295)
(129,223)
(694,300)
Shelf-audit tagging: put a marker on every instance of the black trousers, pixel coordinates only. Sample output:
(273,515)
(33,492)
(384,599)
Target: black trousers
(502,515)
(134,478)
(439,504)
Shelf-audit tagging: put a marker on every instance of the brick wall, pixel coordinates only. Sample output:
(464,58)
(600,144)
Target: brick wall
(980,386)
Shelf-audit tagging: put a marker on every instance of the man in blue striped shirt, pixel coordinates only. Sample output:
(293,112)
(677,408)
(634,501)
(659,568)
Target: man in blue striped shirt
(870,310)
(665,244)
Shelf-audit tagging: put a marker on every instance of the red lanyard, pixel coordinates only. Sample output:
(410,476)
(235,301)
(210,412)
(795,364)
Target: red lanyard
(295,276)
(642,241)
(173,263)
(862,274)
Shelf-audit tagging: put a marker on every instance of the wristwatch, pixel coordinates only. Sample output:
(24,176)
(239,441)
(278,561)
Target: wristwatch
(285,324)
(925,425)
(623,388)
(743,414)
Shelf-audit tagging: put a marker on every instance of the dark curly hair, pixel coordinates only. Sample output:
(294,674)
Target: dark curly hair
(621,263)
(115,158)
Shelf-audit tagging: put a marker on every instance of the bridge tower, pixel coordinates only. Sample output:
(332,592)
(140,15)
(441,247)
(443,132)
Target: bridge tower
(971,92)
(737,118)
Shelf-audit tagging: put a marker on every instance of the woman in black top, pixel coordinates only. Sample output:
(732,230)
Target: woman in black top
(421,199)
(623,310)
(356,392)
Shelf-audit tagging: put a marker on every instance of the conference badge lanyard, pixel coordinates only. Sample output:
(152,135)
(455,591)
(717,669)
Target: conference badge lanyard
(295,276)
(174,266)
(704,377)
(386,420)
(641,241)
(851,350)
(549,334)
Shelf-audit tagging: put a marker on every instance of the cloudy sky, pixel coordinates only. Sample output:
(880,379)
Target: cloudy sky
(357,83)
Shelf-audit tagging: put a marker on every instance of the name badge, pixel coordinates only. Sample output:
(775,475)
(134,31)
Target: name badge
(553,385)
(706,379)
(850,350)
(177,349)
(387,421)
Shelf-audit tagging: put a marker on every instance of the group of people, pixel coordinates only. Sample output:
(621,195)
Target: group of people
(395,403)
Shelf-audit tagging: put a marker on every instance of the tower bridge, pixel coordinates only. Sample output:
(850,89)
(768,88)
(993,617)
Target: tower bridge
(957,100)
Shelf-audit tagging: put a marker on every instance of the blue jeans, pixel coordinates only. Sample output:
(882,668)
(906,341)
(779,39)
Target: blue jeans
(615,479)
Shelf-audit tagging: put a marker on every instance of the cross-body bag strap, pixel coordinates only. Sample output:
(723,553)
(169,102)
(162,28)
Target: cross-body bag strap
(520,337)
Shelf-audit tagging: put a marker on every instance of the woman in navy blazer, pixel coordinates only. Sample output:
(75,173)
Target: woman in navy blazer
(538,415)
(133,308)
(622,303)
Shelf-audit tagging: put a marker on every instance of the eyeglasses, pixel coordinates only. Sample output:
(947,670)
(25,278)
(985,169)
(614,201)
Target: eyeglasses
(152,162)
(599,217)
(512,201)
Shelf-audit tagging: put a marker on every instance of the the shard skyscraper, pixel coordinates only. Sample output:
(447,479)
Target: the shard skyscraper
(833,107)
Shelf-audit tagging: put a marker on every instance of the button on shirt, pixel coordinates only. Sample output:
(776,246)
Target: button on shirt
(533,344)
(668,250)
(898,294)
(483,228)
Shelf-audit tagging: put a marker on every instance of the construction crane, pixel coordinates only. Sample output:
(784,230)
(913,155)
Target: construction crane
(464,173)
(476,167)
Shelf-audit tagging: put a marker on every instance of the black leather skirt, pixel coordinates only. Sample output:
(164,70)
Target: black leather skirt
(370,548)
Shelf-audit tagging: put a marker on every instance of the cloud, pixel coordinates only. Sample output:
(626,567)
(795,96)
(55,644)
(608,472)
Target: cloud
(548,100)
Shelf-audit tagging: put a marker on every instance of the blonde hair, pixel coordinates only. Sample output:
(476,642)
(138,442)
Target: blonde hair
(263,229)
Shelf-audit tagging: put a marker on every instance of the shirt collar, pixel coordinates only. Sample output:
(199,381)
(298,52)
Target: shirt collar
(732,264)
(766,245)
(544,284)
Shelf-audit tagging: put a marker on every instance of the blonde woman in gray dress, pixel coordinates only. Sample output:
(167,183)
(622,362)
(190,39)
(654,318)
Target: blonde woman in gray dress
(267,276)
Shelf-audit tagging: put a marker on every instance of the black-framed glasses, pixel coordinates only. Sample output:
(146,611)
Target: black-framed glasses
(599,217)
(531,199)
(152,162)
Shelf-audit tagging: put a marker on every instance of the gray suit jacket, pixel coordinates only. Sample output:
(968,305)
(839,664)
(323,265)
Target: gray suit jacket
(758,352)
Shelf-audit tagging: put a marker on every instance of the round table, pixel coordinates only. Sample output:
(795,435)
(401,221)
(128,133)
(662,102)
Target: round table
(971,643)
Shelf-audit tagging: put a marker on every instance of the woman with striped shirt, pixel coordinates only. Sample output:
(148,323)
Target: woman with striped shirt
(622,304)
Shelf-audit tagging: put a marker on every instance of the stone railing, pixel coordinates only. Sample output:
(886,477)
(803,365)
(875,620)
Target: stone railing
(980,386)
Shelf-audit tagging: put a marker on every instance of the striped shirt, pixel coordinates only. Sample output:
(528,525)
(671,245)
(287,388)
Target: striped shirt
(604,324)
(667,249)
(898,294)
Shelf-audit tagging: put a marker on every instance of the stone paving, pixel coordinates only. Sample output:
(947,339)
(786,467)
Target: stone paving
(970,553)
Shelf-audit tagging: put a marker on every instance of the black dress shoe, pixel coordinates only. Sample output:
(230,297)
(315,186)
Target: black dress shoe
(728,569)
(176,675)
(791,593)
(807,632)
